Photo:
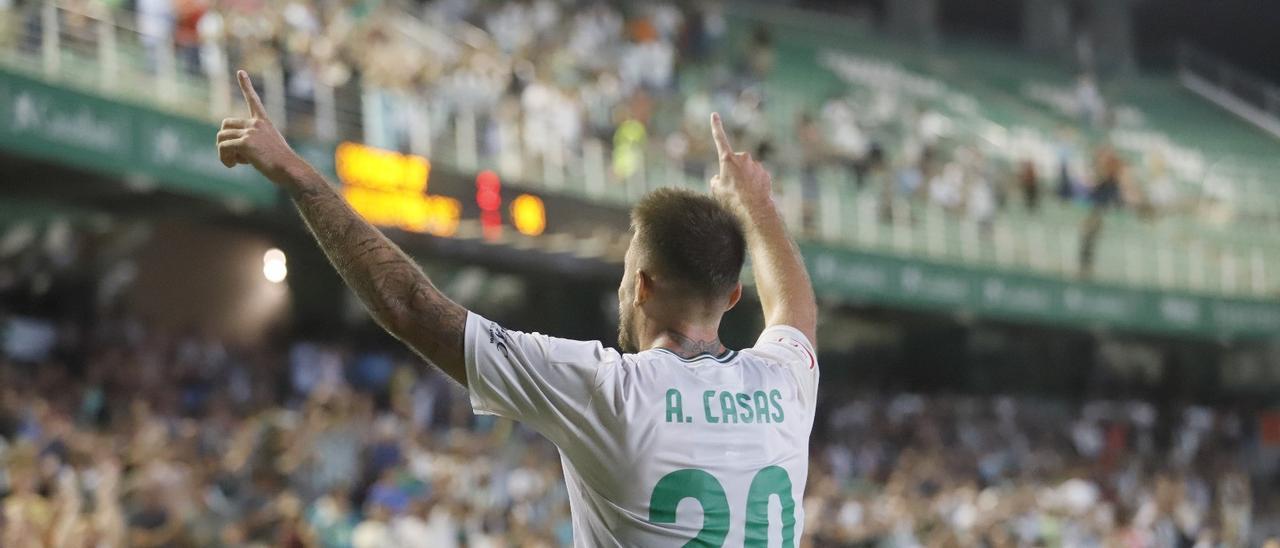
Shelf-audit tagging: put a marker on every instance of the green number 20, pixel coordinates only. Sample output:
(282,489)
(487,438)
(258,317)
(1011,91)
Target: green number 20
(701,486)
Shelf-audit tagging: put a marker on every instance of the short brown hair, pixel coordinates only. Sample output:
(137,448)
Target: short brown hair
(692,238)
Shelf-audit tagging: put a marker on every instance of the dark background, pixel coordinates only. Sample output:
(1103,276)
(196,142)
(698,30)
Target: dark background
(1244,32)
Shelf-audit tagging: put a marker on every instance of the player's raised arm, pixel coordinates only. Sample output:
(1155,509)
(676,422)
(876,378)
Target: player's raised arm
(745,187)
(397,293)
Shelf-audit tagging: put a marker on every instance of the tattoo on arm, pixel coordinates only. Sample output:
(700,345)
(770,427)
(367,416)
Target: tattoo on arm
(397,293)
(688,348)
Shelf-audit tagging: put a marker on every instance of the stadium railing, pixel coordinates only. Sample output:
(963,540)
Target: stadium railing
(1237,90)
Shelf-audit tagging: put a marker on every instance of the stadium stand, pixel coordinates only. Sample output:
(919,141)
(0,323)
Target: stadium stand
(980,159)
(956,158)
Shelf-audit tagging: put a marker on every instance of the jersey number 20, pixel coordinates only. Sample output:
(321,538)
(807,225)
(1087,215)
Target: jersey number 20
(701,486)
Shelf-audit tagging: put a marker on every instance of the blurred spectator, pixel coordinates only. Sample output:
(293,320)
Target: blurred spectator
(813,152)
(982,199)
(1105,194)
(840,126)
(1029,185)
(156,25)
(1089,101)
(186,35)
(628,149)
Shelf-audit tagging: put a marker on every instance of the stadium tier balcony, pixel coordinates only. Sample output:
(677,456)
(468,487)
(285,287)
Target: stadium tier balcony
(983,112)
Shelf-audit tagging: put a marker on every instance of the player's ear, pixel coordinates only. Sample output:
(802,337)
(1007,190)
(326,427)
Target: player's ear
(644,287)
(734,297)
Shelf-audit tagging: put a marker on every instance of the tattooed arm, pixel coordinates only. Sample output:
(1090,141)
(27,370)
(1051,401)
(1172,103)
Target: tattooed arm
(397,293)
(786,294)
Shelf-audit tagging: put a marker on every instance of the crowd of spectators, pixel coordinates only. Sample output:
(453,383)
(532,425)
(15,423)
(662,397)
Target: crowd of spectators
(154,439)
(911,470)
(542,77)
(125,435)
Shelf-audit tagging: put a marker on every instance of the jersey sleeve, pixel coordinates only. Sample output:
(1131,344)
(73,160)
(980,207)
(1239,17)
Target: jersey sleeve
(545,382)
(789,346)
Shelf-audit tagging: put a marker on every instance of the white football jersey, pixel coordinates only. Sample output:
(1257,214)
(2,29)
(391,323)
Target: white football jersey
(660,450)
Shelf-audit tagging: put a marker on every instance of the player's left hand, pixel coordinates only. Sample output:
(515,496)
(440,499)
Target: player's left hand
(255,140)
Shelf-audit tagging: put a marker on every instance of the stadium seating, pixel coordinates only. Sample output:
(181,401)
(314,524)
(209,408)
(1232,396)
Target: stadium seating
(1006,108)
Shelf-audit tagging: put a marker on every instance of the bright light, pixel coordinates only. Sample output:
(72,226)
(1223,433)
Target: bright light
(275,272)
(529,215)
(489,198)
(273,266)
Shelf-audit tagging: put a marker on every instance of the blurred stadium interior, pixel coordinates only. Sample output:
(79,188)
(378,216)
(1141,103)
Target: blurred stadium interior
(1050,280)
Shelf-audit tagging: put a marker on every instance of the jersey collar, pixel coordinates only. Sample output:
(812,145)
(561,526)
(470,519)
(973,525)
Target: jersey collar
(723,357)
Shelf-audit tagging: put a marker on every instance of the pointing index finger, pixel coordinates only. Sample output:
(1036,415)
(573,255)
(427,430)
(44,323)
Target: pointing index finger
(250,96)
(717,134)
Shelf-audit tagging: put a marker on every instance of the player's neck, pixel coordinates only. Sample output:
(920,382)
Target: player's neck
(688,340)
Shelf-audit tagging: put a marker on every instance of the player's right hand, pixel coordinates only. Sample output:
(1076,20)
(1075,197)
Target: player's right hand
(743,182)
(254,140)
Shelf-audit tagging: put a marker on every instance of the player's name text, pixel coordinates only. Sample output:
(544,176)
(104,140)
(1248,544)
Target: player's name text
(724,407)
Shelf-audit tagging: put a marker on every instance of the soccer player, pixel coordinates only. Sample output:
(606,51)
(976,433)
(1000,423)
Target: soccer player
(679,441)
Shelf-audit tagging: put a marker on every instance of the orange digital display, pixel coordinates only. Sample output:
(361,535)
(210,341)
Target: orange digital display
(528,214)
(390,189)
